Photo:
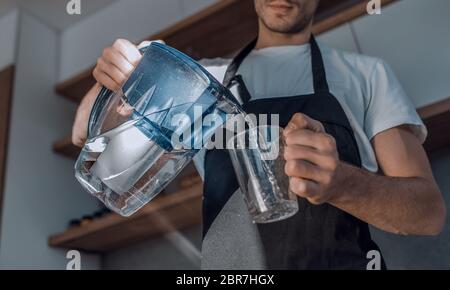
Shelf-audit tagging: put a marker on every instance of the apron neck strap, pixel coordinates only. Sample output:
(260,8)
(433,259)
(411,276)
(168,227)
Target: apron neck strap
(236,63)
(318,70)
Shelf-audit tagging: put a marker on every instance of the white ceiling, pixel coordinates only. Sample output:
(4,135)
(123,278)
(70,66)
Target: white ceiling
(53,12)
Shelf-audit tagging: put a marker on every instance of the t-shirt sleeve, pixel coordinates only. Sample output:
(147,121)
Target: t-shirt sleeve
(388,104)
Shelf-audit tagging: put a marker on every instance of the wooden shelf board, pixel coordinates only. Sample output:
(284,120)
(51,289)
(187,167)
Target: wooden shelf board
(167,213)
(222,29)
(65,147)
(437,119)
(6,95)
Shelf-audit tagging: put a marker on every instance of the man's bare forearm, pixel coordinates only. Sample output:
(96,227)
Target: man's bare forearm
(401,205)
(79,130)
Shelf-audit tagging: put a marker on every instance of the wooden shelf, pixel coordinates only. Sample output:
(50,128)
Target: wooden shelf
(221,30)
(437,119)
(167,213)
(6,92)
(65,147)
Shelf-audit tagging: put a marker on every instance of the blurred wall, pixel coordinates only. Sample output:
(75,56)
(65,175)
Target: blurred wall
(134,20)
(413,36)
(41,194)
(417,253)
(8,32)
(176,251)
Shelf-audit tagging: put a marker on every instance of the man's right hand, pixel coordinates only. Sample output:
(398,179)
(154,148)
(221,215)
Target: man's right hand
(116,64)
(113,68)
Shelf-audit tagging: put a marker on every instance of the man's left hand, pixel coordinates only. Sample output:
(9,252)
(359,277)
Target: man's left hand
(312,159)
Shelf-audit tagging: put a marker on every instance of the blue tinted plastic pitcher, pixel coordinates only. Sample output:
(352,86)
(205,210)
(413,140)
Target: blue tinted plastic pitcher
(142,136)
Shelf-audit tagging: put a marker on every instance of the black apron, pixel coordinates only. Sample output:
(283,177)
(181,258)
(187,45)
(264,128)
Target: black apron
(317,237)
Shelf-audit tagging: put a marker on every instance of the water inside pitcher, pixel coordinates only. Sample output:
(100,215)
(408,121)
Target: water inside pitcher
(142,136)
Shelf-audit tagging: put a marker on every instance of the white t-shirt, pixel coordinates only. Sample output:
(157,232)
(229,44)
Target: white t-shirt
(366,88)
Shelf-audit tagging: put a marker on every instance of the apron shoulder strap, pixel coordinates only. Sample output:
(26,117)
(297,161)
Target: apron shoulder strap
(318,68)
(236,63)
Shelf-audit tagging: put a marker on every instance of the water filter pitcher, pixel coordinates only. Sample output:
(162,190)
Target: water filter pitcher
(142,136)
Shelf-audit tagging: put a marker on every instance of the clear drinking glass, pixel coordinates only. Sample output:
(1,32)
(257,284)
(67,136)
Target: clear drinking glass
(257,157)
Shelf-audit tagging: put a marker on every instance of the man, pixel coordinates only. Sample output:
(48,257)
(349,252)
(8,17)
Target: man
(346,118)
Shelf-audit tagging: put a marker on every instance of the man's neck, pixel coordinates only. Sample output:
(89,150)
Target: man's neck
(268,38)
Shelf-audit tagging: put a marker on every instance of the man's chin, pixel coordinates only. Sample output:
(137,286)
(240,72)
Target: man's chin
(283,28)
